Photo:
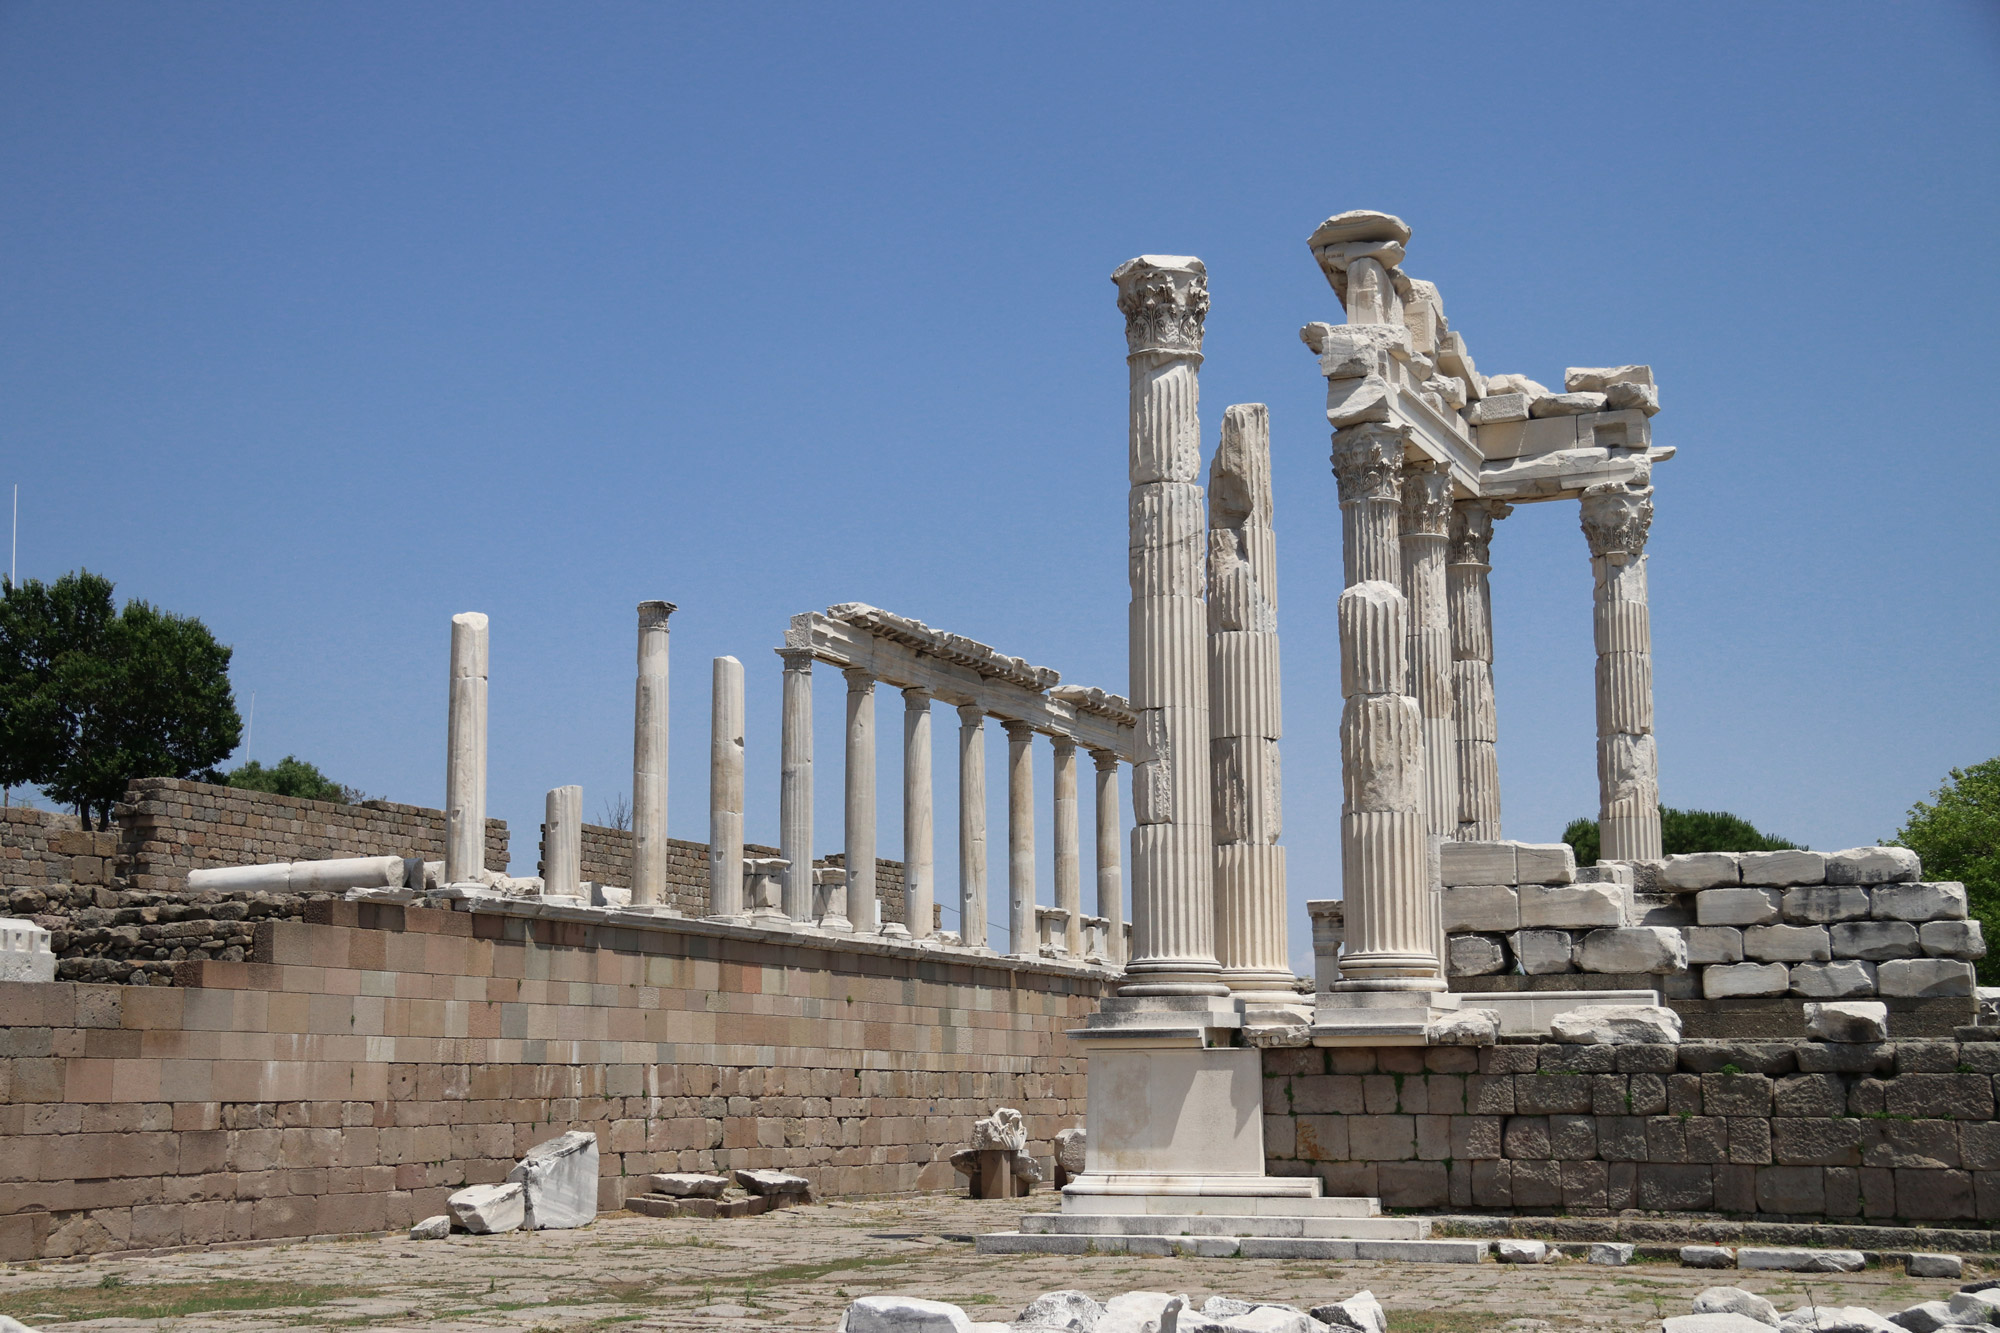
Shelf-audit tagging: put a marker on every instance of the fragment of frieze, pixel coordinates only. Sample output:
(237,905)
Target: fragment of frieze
(1643,397)
(1450,388)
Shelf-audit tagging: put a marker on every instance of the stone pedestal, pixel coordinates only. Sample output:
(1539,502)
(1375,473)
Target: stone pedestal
(465,753)
(649,758)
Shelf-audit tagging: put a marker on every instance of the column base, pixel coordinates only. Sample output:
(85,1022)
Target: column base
(896,930)
(771,918)
(1378,1017)
(835,925)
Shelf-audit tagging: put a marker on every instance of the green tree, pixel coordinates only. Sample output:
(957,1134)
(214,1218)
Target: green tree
(91,698)
(1957,833)
(290,776)
(1682,832)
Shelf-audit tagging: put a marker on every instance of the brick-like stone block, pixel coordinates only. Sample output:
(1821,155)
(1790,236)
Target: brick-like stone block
(1737,907)
(1810,1095)
(1736,1094)
(1787,944)
(1794,1191)
(1573,1137)
(1668,1187)
(1925,977)
(1475,1137)
(1543,1094)
(1872,865)
(1782,868)
(1489,1094)
(1382,1138)
(1825,904)
(1700,870)
(1493,1183)
(1413,1184)
(1584,1185)
(1527,1138)
(1923,1196)
(1946,1096)
(1493,908)
(1815,1142)
(1537,1183)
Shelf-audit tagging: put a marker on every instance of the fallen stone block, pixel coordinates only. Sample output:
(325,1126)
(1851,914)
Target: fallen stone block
(1724,1322)
(1521,1251)
(1598,379)
(903,1314)
(1358,402)
(1494,409)
(1982,1306)
(1850,1022)
(1834,981)
(1726,980)
(1140,1311)
(688,1185)
(1787,944)
(1707,1256)
(486,1210)
(1700,870)
(1934,1265)
(1737,907)
(1061,1312)
(1823,904)
(774,1183)
(1874,941)
(1789,1259)
(1782,869)
(1834,1319)
(1918,902)
(1632,397)
(1926,1317)
(1872,865)
(1952,939)
(1464,1027)
(1264,1318)
(1571,906)
(1617,1025)
(1360,1312)
(1611,1253)
(432,1228)
(1659,950)
(1735,1300)
(559,1182)
(1072,1147)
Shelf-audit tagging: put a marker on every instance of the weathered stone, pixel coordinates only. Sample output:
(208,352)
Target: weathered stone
(1005,1130)
(1918,902)
(488,1209)
(1722,1322)
(1061,1311)
(903,1314)
(1571,906)
(1800,1260)
(1926,1316)
(1981,1306)
(559,1182)
(1360,1312)
(1266,1319)
(1544,863)
(1598,379)
(1787,944)
(1924,977)
(1617,1025)
(432,1228)
(1464,1027)
(1071,1144)
(1480,863)
(1521,1251)
(1825,903)
(773,1183)
(1872,865)
(1713,944)
(1875,941)
(1849,1022)
(688,1185)
(1737,907)
(1782,869)
(1700,870)
(1834,1319)
(1566,405)
(1495,409)
(1707,1256)
(1358,402)
(1934,1265)
(1481,907)
(1632,397)
(1355,351)
(1611,1253)
(1632,949)
(1542,952)
(1476,955)
(1141,1312)
(1952,939)
(1731,979)
(1834,981)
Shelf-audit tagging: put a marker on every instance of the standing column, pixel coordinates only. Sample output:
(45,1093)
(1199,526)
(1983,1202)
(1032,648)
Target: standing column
(918,890)
(1368,469)
(1021,840)
(1425,535)
(1110,863)
(971,826)
(1474,716)
(1616,520)
(1164,299)
(465,753)
(1244,713)
(863,911)
(1384,858)
(725,791)
(795,784)
(1069,847)
(562,843)
(649,758)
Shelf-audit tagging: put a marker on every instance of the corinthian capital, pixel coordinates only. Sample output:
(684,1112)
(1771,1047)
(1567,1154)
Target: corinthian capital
(1426,498)
(1472,530)
(1368,462)
(1616,519)
(1165,300)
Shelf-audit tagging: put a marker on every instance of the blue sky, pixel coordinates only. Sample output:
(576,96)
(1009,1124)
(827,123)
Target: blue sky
(323,322)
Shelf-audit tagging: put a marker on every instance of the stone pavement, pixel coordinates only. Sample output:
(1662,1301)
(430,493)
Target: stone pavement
(799,1268)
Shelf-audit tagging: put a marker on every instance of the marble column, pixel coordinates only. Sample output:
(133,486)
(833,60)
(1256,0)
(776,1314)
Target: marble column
(1474,717)
(1616,520)
(1385,873)
(1021,840)
(649,758)
(562,843)
(1368,469)
(1424,537)
(725,792)
(465,752)
(1244,713)
(1164,299)
(971,827)
(795,785)
(863,910)
(1110,857)
(1068,846)
(919,890)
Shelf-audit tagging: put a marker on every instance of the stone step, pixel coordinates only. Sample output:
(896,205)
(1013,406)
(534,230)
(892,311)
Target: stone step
(1202,1224)
(662,1205)
(1220,1205)
(1237,1247)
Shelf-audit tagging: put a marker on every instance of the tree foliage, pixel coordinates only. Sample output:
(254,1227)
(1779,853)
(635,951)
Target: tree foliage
(1682,832)
(292,776)
(92,697)
(1957,833)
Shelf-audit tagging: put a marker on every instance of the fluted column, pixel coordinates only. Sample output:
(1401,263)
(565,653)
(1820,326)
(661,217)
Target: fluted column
(795,785)
(465,752)
(1425,537)
(562,843)
(918,889)
(862,907)
(971,827)
(1164,300)
(649,758)
(1384,861)
(1244,713)
(1068,846)
(1020,839)
(1474,717)
(1616,520)
(1368,469)
(1110,859)
(725,791)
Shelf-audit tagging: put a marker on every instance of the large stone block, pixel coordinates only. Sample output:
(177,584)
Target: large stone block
(1737,907)
(1616,1025)
(1713,944)
(1700,870)
(1822,904)
(487,1209)
(1787,944)
(1872,865)
(1875,941)
(1918,902)
(1782,869)
(909,1314)
(1571,906)
(1544,863)
(1475,907)
(1461,863)
(559,1182)
(1952,939)
(1542,952)
(1834,981)
(1632,949)
(1476,955)
(1727,980)
(1905,977)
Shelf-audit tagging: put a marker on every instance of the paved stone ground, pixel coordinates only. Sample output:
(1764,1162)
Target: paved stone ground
(799,1268)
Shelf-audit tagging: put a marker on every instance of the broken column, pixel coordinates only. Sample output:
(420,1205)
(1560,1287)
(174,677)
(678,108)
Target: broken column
(1110,864)
(562,843)
(1068,846)
(1244,715)
(725,791)
(1384,863)
(1164,299)
(918,891)
(465,753)
(649,758)
(863,911)
(1616,519)
(971,826)
(1020,839)
(1474,715)
(795,779)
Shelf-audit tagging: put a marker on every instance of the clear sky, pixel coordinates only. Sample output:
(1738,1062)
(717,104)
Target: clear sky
(323,322)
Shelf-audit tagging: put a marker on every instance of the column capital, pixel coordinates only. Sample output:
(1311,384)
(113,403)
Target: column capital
(1018,731)
(1164,299)
(1616,519)
(655,613)
(796,659)
(1064,744)
(1426,498)
(859,679)
(971,716)
(916,698)
(1472,529)
(1368,462)
(1107,761)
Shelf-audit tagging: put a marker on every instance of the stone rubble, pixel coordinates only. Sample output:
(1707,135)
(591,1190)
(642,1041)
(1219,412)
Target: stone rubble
(559,1182)
(487,1210)
(1071,1311)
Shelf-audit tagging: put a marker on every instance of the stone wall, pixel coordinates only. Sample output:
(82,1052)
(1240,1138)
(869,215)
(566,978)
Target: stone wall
(366,1063)
(168,827)
(28,851)
(1777,1131)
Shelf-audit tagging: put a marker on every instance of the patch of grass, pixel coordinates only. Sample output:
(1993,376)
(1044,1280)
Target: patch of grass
(810,1272)
(168,1300)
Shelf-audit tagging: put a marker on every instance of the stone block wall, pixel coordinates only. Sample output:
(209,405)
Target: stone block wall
(29,854)
(364,1064)
(1776,1131)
